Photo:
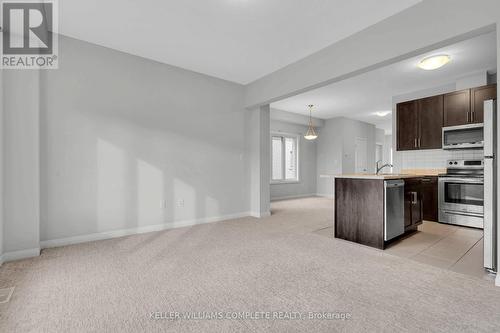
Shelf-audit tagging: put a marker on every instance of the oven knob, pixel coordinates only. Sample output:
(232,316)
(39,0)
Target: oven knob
(451,163)
(456,163)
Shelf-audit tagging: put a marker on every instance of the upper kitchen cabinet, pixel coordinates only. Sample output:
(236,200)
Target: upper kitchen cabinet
(419,124)
(430,113)
(478,96)
(407,125)
(457,108)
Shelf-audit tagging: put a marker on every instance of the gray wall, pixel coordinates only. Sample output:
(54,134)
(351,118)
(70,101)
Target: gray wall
(380,136)
(336,149)
(497,281)
(353,129)
(396,38)
(387,149)
(1,166)
(307,164)
(259,159)
(128,143)
(21,195)
(295,118)
(329,155)
(492,78)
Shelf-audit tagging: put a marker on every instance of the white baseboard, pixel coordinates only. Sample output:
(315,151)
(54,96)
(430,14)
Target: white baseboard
(139,230)
(21,254)
(497,280)
(324,195)
(294,197)
(260,215)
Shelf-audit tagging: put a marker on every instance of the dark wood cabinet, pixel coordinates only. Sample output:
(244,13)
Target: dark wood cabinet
(429,190)
(413,203)
(419,123)
(359,211)
(457,108)
(430,113)
(407,124)
(477,98)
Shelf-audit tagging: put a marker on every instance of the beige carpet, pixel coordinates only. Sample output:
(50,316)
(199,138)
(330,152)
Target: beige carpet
(244,265)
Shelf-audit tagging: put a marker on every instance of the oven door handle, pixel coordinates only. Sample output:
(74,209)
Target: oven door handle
(462,213)
(461,180)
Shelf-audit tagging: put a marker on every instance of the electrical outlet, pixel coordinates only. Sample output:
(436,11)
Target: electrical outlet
(180,203)
(163,204)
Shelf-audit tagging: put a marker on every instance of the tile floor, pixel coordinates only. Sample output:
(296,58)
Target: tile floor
(459,249)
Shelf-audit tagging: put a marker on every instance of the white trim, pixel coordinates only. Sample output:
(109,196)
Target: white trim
(324,195)
(21,254)
(283,158)
(497,280)
(298,196)
(284,182)
(260,215)
(139,230)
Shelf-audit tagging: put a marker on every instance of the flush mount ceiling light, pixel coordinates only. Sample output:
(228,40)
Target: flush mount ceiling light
(311,133)
(434,62)
(382,113)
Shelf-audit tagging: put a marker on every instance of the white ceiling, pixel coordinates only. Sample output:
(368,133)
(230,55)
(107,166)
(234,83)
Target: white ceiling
(237,40)
(361,96)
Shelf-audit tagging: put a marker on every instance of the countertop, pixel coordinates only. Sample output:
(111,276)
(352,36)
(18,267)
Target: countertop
(406,173)
(374,176)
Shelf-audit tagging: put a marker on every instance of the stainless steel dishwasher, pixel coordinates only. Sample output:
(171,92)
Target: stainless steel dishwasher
(394,209)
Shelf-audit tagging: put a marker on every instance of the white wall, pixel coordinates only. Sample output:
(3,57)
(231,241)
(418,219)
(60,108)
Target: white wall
(21,163)
(307,164)
(336,149)
(130,143)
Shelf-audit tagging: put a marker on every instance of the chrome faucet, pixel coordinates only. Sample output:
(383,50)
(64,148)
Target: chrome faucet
(383,166)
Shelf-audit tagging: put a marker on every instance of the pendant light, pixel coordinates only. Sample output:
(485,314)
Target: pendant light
(311,133)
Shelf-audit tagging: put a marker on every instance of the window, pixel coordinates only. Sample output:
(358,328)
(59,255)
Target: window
(284,158)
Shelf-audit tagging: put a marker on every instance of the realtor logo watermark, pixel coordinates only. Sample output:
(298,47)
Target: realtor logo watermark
(29,34)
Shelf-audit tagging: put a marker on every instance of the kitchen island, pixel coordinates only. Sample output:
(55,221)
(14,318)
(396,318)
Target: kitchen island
(360,209)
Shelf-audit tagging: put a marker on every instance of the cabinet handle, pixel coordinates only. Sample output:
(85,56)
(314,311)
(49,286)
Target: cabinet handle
(468,117)
(414,199)
(472,116)
(419,145)
(415,143)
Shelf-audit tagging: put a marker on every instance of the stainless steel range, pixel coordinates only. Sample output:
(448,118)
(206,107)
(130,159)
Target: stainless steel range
(461,193)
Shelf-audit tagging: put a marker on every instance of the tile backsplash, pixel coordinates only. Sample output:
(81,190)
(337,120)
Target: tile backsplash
(431,159)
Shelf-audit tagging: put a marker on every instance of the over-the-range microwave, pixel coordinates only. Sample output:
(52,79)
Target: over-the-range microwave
(463,137)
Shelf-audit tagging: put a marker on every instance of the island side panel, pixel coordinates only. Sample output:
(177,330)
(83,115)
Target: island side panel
(359,211)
